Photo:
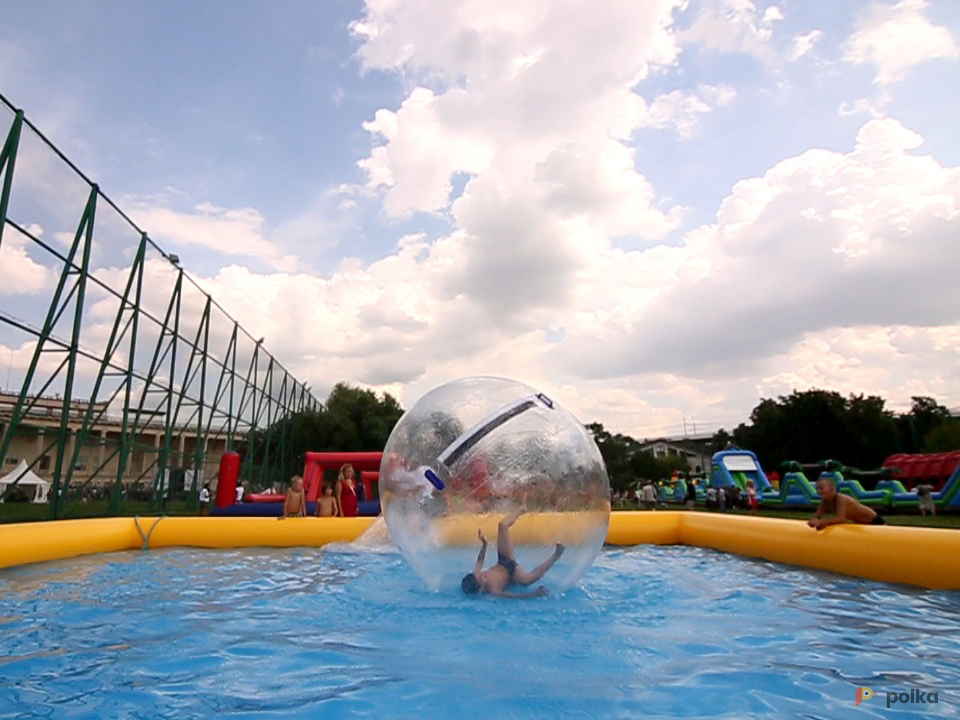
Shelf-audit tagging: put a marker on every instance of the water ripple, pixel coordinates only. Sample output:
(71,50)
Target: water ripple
(658,632)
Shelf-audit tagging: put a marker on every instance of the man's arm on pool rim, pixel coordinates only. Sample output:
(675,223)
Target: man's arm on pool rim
(841,517)
(815,520)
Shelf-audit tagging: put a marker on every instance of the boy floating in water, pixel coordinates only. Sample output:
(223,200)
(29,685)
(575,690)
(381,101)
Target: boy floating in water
(506,571)
(843,506)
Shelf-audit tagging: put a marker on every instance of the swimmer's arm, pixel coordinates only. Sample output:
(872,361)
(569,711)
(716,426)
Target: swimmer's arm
(815,520)
(482,555)
(337,489)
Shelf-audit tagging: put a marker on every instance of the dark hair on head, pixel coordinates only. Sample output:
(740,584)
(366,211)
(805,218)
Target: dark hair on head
(829,477)
(470,585)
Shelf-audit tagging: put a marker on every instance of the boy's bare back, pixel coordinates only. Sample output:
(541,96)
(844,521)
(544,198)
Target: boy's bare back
(853,510)
(844,507)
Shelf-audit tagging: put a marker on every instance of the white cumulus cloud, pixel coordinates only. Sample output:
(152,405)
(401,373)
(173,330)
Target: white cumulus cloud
(894,38)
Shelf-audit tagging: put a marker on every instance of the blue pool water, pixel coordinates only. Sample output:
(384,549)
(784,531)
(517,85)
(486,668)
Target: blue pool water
(303,633)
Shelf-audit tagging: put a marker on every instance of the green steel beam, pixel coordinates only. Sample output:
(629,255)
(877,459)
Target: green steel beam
(117,334)
(200,443)
(284,451)
(159,356)
(127,440)
(164,457)
(222,388)
(55,310)
(267,399)
(251,427)
(59,488)
(8,159)
(189,374)
(232,352)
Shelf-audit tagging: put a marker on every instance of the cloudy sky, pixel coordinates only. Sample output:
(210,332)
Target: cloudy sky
(658,211)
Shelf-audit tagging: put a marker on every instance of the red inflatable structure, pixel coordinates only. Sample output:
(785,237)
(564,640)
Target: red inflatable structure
(369,478)
(264,497)
(934,468)
(227,479)
(316,463)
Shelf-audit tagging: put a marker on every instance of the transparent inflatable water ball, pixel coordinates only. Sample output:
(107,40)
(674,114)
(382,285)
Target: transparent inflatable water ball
(474,450)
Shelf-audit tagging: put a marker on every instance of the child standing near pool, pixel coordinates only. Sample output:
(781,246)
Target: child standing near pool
(752,496)
(925,494)
(843,506)
(295,504)
(326,503)
(507,571)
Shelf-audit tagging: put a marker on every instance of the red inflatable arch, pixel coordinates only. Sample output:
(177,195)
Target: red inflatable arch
(316,463)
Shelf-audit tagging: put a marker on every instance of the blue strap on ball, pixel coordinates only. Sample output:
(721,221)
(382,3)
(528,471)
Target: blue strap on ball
(433,478)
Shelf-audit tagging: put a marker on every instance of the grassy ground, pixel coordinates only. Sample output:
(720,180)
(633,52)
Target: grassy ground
(25,512)
(915,519)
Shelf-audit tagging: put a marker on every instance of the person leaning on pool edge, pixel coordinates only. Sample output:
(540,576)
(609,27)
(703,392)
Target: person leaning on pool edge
(843,506)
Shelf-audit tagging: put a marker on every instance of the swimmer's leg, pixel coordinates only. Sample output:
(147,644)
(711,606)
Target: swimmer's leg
(504,545)
(524,577)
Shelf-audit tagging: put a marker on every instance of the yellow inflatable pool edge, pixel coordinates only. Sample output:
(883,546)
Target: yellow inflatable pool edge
(924,557)
(23,543)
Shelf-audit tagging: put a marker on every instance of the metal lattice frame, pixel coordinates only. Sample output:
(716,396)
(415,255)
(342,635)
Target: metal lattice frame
(110,382)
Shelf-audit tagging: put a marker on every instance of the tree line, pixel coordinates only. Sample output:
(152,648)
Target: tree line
(808,426)
(857,430)
(352,419)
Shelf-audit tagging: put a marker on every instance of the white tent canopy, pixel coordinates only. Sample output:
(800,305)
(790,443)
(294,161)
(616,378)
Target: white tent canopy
(36,488)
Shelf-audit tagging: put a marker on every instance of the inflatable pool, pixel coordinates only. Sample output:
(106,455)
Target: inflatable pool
(925,557)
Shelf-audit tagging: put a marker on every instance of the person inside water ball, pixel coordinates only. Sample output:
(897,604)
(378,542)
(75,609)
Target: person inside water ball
(506,571)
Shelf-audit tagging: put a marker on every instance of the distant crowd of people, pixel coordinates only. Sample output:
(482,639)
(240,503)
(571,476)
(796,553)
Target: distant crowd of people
(730,497)
(843,508)
(651,495)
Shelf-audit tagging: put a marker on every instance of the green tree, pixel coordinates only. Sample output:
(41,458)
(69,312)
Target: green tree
(616,451)
(819,424)
(356,419)
(720,441)
(925,415)
(644,466)
(352,419)
(870,430)
(944,437)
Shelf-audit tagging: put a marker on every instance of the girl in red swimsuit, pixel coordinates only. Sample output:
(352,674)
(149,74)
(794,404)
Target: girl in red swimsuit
(346,492)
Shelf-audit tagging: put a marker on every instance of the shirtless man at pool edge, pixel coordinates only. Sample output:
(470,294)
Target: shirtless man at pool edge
(506,571)
(843,506)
